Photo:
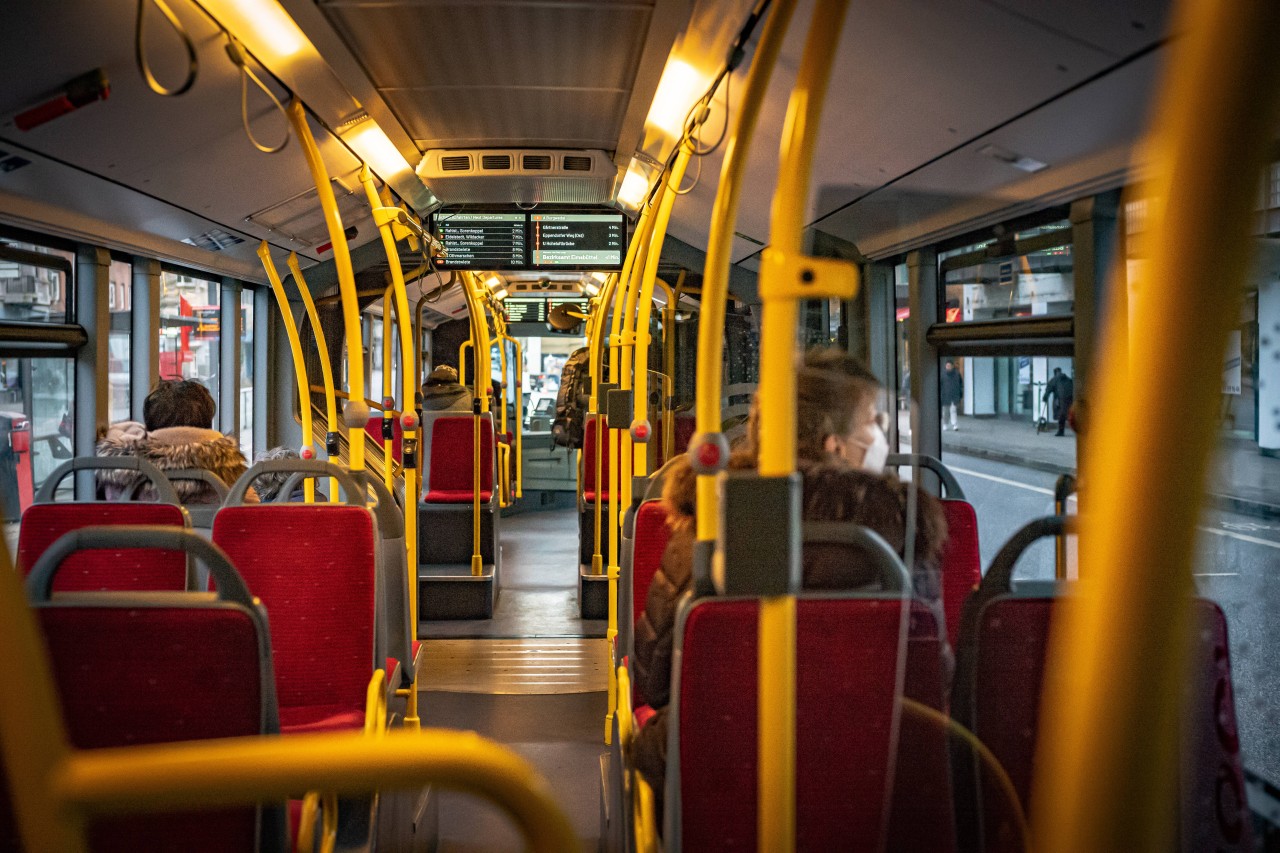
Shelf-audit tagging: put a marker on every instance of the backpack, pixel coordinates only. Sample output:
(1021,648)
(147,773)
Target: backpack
(571,401)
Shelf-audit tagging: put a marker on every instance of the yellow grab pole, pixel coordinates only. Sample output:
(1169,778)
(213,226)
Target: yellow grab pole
(388,462)
(326,370)
(410,424)
(356,412)
(784,274)
(715,282)
(644,315)
(1107,768)
(462,361)
(480,347)
(299,362)
(519,402)
(665,413)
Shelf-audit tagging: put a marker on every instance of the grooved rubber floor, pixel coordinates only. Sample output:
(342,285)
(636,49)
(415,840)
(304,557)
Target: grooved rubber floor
(530,665)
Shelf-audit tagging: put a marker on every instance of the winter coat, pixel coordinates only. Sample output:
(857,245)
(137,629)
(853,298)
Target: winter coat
(449,397)
(951,387)
(171,449)
(1063,390)
(877,502)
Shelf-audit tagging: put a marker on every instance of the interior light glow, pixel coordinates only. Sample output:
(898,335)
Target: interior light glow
(500,294)
(589,287)
(680,86)
(635,186)
(260,23)
(494,282)
(374,147)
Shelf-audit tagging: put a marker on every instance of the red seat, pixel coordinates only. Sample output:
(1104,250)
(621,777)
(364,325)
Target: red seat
(845,711)
(450,477)
(126,569)
(651,536)
(374,429)
(589,460)
(314,568)
(961,563)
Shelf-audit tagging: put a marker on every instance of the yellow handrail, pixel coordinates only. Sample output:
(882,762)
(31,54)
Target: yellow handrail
(519,401)
(54,788)
(356,413)
(326,367)
(462,361)
(1106,772)
(783,277)
(715,282)
(480,347)
(410,425)
(388,458)
(666,414)
(299,362)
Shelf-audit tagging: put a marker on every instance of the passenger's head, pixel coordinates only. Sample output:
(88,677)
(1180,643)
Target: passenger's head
(268,485)
(949,366)
(836,417)
(179,402)
(443,375)
(1057,371)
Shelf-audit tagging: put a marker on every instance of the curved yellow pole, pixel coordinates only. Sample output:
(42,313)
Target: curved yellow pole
(519,402)
(299,361)
(1107,769)
(388,458)
(641,335)
(777,685)
(715,281)
(410,423)
(462,361)
(354,339)
(326,369)
(480,346)
(665,413)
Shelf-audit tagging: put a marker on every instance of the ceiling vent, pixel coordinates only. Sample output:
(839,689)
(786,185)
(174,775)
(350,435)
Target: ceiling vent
(515,176)
(214,240)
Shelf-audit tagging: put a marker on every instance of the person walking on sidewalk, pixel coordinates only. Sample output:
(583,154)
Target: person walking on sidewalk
(1063,391)
(951,392)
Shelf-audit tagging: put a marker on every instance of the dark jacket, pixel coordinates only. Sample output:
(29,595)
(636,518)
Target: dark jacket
(171,449)
(878,502)
(951,387)
(1062,389)
(450,397)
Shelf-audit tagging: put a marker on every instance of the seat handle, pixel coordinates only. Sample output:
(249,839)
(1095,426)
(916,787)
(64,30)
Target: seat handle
(164,489)
(950,485)
(316,467)
(893,573)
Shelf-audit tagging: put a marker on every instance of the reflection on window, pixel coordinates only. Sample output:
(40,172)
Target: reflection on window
(120,305)
(36,405)
(189,329)
(32,291)
(1036,282)
(246,372)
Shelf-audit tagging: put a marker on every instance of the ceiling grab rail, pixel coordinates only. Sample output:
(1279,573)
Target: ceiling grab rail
(787,276)
(299,362)
(326,368)
(355,414)
(385,216)
(1106,767)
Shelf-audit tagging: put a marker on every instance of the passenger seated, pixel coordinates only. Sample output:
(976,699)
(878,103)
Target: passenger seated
(269,485)
(443,393)
(841,451)
(178,433)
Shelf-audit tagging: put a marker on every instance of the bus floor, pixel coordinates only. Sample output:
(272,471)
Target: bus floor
(533,678)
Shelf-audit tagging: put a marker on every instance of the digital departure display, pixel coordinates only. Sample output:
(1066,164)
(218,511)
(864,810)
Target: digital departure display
(532,240)
(594,240)
(485,241)
(526,310)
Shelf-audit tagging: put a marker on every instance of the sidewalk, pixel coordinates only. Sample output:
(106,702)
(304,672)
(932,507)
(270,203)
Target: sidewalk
(1243,480)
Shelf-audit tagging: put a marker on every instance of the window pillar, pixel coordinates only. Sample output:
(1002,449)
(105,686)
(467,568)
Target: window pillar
(144,363)
(926,408)
(262,308)
(93,282)
(229,358)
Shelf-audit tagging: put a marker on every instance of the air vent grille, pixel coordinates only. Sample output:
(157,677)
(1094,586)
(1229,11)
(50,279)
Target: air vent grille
(575,163)
(455,163)
(495,161)
(536,161)
(214,240)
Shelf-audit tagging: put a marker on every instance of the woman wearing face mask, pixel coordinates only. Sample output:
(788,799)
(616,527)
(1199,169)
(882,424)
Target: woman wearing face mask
(841,450)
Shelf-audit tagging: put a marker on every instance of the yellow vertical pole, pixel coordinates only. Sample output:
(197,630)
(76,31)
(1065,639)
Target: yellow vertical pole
(505,467)
(299,362)
(388,458)
(519,402)
(462,361)
(1106,770)
(480,346)
(644,314)
(777,665)
(357,410)
(665,413)
(326,367)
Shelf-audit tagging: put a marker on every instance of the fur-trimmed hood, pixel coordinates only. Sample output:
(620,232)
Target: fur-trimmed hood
(170,449)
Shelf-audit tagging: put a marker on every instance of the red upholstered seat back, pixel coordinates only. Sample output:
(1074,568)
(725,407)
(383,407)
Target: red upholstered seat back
(314,568)
(651,535)
(589,458)
(128,676)
(374,429)
(845,684)
(452,454)
(961,563)
(124,570)
(1012,638)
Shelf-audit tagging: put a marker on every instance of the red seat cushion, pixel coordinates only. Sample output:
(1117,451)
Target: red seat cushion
(321,718)
(452,457)
(122,570)
(313,566)
(455,496)
(589,495)
(961,563)
(150,677)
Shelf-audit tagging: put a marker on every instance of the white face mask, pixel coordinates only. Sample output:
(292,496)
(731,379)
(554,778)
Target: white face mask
(875,453)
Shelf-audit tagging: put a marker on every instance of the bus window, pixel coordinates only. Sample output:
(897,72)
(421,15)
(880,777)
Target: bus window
(36,405)
(189,329)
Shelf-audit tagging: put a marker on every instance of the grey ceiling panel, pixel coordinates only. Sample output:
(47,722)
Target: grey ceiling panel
(511,117)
